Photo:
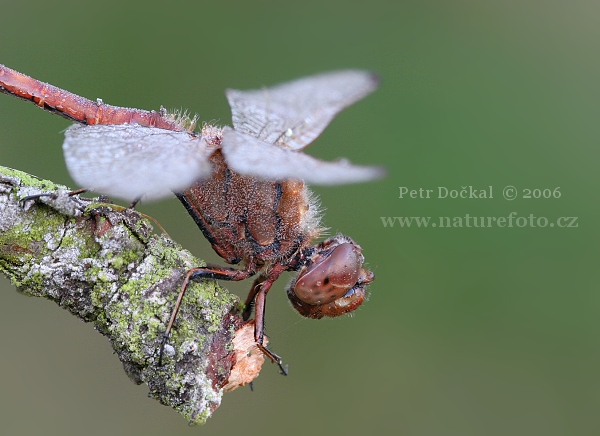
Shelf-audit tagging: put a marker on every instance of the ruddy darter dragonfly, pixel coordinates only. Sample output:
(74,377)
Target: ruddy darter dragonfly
(243,186)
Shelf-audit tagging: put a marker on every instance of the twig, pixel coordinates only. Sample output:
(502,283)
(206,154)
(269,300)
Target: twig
(102,263)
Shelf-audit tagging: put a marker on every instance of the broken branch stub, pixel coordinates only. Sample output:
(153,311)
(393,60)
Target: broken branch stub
(103,264)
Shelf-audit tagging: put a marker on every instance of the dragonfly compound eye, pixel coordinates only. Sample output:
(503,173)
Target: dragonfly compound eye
(345,304)
(330,276)
(333,281)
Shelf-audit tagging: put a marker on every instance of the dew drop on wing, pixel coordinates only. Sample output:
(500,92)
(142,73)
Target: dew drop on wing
(304,106)
(252,157)
(129,161)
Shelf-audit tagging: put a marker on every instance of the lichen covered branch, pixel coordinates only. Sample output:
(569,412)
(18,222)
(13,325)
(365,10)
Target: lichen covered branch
(103,264)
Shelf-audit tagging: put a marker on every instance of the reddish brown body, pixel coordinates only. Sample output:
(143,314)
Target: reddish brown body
(265,225)
(250,220)
(75,107)
(269,226)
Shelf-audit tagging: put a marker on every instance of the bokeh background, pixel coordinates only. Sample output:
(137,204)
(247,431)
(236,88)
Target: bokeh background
(468,331)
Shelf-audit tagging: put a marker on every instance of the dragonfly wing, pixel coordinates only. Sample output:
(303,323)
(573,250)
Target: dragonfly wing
(130,161)
(252,157)
(293,114)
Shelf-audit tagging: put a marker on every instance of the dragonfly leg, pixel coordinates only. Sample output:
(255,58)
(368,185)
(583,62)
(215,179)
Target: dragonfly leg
(258,297)
(53,196)
(208,272)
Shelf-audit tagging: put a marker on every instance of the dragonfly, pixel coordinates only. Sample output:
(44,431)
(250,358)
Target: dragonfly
(245,187)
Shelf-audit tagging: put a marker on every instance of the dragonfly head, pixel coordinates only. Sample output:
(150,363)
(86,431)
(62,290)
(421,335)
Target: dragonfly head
(332,280)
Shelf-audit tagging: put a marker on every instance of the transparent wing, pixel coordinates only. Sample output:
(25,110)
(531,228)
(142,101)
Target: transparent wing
(252,157)
(130,161)
(293,114)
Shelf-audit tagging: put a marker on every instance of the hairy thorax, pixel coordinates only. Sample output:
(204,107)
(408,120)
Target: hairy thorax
(251,220)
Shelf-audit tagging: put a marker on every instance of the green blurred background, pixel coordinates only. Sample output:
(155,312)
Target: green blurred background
(468,331)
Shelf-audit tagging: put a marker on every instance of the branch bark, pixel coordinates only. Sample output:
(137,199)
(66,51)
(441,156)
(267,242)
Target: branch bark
(102,263)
